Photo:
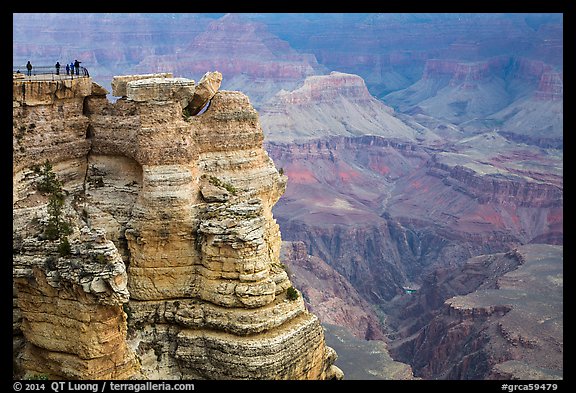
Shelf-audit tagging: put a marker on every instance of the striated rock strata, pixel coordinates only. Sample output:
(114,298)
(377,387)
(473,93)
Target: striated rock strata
(172,269)
(334,104)
(381,211)
(329,295)
(499,316)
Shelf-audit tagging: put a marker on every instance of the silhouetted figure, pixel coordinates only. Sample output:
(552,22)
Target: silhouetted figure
(57,68)
(77,66)
(85,71)
(29,68)
(72,69)
(67,69)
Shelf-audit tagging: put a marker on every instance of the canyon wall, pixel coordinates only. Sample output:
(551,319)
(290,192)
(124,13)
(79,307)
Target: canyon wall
(498,316)
(329,295)
(385,210)
(381,212)
(171,269)
(521,98)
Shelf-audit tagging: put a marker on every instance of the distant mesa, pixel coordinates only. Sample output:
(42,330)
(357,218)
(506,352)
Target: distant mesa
(520,97)
(338,104)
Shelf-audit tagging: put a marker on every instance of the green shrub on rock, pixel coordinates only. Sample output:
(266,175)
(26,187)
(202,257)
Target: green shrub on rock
(292,293)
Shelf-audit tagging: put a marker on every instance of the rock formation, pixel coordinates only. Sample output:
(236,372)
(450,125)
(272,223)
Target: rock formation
(334,104)
(169,265)
(498,316)
(522,98)
(381,211)
(329,295)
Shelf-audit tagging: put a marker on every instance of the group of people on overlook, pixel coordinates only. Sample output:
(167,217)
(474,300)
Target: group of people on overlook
(73,67)
(69,67)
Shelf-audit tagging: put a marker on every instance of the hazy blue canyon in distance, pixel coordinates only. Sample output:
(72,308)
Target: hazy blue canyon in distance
(423,216)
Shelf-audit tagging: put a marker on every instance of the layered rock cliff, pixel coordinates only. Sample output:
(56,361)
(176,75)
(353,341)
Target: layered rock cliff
(329,295)
(334,104)
(169,264)
(498,316)
(383,211)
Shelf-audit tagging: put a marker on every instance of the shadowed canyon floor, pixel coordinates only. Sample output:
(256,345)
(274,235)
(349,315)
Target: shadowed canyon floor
(497,317)
(364,360)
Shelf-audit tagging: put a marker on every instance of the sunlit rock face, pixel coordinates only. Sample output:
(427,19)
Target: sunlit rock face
(173,269)
(328,105)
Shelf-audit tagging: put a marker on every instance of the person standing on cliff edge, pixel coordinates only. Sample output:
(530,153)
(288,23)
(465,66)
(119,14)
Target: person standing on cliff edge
(57,68)
(77,66)
(29,68)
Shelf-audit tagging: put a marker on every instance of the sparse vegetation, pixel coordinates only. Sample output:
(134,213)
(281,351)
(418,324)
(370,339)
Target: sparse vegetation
(20,133)
(292,293)
(281,171)
(127,311)
(219,183)
(57,228)
(64,248)
(186,113)
(100,258)
(236,115)
(37,377)
(48,182)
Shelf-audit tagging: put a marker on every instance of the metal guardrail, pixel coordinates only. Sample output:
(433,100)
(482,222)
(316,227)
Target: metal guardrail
(50,72)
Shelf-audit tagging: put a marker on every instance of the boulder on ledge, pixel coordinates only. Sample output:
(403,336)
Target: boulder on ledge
(207,87)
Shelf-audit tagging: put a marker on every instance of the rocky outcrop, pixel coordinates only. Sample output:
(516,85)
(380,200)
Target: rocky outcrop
(505,321)
(184,272)
(160,89)
(207,87)
(40,133)
(499,188)
(120,82)
(38,92)
(60,297)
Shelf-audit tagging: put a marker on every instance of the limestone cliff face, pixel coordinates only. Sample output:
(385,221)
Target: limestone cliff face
(173,270)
